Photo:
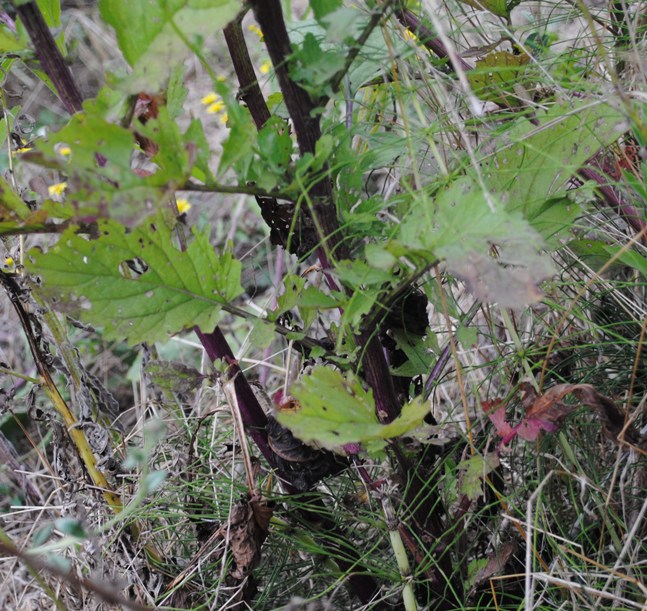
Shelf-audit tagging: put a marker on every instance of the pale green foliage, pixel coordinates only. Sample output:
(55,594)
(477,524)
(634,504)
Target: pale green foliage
(336,410)
(156,36)
(534,162)
(91,279)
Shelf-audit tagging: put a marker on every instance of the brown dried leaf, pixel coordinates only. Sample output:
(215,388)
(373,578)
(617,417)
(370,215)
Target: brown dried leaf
(248,526)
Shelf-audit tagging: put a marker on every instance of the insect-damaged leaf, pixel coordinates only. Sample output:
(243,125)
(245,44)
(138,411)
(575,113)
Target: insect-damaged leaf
(168,291)
(494,76)
(497,253)
(336,410)
(155,36)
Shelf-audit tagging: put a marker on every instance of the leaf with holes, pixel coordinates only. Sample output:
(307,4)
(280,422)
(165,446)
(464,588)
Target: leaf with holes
(494,77)
(497,253)
(169,292)
(155,37)
(336,410)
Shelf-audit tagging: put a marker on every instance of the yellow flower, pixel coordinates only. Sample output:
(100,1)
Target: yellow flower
(254,28)
(183,205)
(224,117)
(409,35)
(265,67)
(210,98)
(64,150)
(9,263)
(215,108)
(57,189)
(24,149)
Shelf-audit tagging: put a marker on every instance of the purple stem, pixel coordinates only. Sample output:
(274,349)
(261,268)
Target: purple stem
(49,56)
(436,46)
(609,195)
(254,418)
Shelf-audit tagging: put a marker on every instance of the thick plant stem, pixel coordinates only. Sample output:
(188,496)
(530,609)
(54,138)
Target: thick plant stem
(49,55)
(253,416)
(250,92)
(308,131)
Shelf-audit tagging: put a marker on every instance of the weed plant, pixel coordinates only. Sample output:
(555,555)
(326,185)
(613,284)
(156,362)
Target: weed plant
(323,305)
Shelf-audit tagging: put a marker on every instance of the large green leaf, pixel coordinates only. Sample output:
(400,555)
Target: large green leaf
(534,162)
(336,410)
(92,279)
(496,252)
(155,36)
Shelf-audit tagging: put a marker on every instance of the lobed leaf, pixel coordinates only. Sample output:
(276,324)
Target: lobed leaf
(497,253)
(336,410)
(175,290)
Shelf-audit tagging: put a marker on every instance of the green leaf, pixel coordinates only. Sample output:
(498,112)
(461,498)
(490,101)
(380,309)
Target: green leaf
(71,526)
(173,376)
(497,7)
(596,254)
(336,410)
(101,181)
(494,77)
(275,145)
(153,36)
(262,335)
(475,470)
(175,291)
(176,92)
(321,8)
(465,231)
(51,10)
(313,67)
(11,42)
(11,206)
(172,156)
(533,163)
(239,145)
(467,336)
(196,137)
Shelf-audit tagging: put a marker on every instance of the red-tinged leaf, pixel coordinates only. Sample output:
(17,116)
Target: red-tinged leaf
(495,411)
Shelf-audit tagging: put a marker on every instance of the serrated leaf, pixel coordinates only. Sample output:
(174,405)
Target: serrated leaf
(12,208)
(176,290)
(101,181)
(475,469)
(172,157)
(153,36)
(275,145)
(336,410)
(534,162)
(313,67)
(466,229)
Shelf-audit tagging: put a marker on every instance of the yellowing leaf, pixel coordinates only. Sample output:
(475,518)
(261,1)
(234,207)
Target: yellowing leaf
(494,76)
(336,410)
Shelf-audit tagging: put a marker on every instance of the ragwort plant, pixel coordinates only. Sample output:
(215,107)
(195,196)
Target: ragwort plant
(450,207)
